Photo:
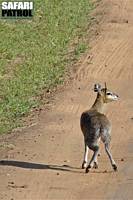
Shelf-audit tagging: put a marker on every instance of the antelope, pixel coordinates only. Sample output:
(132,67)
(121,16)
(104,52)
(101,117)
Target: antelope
(96,126)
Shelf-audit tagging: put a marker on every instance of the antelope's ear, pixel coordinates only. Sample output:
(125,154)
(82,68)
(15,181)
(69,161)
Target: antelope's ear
(97,87)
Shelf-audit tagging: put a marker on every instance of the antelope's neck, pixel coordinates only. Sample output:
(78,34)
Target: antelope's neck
(99,105)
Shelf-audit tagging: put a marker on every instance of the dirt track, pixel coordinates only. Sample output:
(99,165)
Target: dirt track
(45,161)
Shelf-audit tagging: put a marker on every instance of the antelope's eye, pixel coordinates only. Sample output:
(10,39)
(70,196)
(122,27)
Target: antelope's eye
(109,93)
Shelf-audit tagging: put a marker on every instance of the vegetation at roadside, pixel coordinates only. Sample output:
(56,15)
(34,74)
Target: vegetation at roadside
(33,54)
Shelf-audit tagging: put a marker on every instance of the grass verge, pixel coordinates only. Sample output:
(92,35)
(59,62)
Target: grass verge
(32,54)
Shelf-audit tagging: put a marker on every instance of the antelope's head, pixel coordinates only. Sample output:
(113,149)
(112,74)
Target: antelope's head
(105,94)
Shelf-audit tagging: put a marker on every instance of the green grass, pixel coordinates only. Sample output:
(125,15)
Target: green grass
(33,54)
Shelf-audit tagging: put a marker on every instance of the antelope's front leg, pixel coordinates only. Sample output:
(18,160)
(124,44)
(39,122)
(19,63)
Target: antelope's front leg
(95,166)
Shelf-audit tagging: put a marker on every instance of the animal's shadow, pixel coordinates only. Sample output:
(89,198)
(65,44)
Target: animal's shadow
(30,165)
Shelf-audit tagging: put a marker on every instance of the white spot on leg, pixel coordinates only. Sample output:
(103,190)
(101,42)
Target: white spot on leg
(85,161)
(109,155)
(86,154)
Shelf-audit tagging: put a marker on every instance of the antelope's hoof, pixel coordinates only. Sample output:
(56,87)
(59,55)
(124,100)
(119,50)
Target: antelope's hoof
(84,165)
(86,170)
(114,167)
(95,165)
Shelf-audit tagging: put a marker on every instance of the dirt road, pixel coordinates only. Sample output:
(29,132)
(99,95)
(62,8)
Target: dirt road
(44,162)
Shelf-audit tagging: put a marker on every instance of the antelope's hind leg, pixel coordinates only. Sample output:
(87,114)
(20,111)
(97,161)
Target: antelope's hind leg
(106,138)
(94,157)
(110,157)
(85,161)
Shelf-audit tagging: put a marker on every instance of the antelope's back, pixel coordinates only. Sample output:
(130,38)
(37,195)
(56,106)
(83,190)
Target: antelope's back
(93,124)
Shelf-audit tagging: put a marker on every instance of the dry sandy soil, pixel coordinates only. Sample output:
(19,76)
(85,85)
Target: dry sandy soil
(44,161)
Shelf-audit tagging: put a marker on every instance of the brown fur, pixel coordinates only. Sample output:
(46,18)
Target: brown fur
(95,125)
